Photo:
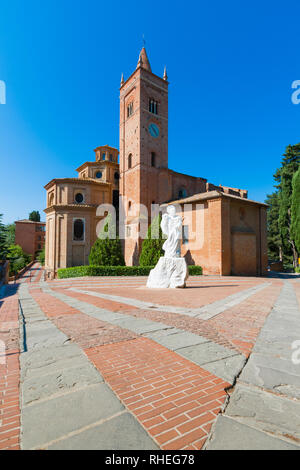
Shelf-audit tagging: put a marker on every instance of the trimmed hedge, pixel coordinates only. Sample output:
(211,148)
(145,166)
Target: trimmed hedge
(80,271)
(195,270)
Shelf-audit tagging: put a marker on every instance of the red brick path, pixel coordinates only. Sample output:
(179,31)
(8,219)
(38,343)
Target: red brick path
(236,328)
(84,330)
(175,400)
(9,374)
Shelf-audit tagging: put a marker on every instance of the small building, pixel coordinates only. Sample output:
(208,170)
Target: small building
(30,236)
(224,233)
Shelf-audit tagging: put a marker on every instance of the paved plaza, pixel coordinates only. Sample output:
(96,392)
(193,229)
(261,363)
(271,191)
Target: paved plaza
(105,363)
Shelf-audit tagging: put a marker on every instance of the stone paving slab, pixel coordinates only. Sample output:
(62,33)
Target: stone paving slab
(207,352)
(59,382)
(273,373)
(120,433)
(175,340)
(270,365)
(265,411)
(228,369)
(52,419)
(48,360)
(233,435)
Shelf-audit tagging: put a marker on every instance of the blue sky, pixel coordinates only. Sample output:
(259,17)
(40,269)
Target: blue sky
(230,66)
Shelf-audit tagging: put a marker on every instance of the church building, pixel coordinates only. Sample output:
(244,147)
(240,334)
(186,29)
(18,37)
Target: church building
(233,228)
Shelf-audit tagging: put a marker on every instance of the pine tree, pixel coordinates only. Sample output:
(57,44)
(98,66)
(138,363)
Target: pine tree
(284,177)
(35,216)
(295,211)
(10,234)
(107,249)
(152,245)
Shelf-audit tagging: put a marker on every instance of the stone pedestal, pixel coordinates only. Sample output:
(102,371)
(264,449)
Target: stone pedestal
(169,272)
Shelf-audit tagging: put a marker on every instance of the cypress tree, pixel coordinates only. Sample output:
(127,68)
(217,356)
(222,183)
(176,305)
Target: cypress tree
(152,245)
(274,238)
(284,177)
(295,211)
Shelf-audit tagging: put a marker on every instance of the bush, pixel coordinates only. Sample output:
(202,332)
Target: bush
(152,247)
(103,271)
(195,270)
(41,256)
(18,259)
(107,249)
(297,270)
(80,271)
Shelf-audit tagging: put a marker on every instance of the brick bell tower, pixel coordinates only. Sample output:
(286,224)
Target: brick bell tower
(143,147)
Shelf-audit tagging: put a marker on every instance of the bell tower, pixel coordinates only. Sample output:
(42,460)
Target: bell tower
(143,144)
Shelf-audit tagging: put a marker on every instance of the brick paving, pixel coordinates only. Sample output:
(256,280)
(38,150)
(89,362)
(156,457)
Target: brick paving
(87,332)
(237,328)
(9,373)
(173,398)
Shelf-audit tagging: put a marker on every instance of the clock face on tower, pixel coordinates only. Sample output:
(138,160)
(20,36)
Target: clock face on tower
(153,129)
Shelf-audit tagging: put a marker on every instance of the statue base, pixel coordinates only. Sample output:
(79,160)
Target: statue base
(169,272)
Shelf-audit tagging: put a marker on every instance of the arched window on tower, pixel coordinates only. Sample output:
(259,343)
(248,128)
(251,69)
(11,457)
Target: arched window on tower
(129,161)
(153,159)
(153,106)
(130,109)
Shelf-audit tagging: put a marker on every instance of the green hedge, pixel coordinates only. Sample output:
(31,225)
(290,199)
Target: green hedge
(297,270)
(114,271)
(195,270)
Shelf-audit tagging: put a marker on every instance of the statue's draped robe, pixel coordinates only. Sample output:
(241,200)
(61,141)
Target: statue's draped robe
(171,226)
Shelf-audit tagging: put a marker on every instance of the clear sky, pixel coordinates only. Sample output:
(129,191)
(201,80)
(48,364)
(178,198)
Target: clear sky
(230,66)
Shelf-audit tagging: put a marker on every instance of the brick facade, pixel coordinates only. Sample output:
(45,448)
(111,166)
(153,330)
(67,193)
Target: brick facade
(30,236)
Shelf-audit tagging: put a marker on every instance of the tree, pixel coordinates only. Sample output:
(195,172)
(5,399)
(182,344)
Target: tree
(274,239)
(107,249)
(10,234)
(152,245)
(18,258)
(3,246)
(295,211)
(284,177)
(35,216)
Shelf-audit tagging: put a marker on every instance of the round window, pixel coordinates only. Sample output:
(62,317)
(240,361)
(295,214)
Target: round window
(99,174)
(79,198)
(117,176)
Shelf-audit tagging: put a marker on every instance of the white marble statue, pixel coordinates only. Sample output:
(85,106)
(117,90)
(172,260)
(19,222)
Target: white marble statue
(171,270)
(171,226)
